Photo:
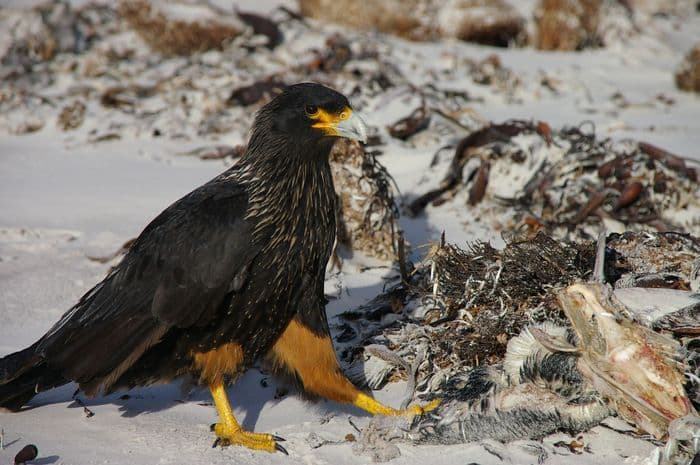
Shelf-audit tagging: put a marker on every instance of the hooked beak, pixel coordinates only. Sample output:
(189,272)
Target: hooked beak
(353,128)
(347,123)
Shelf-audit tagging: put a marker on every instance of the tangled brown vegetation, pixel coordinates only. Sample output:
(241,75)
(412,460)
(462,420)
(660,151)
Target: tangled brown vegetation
(567,25)
(688,73)
(176,35)
(570,182)
(367,213)
(481,21)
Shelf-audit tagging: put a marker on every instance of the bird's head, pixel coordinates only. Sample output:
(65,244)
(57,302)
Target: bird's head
(311,113)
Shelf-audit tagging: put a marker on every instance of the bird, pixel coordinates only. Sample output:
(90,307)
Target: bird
(228,275)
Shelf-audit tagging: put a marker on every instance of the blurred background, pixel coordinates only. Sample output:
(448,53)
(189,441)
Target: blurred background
(174,79)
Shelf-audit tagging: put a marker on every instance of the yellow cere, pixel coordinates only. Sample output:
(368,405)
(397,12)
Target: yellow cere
(327,121)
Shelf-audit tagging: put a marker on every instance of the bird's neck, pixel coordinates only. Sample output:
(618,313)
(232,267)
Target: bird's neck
(291,193)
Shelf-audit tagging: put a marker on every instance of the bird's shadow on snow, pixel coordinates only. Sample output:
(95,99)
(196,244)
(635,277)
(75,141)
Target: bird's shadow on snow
(248,396)
(252,391)
(45,460)
(418,231)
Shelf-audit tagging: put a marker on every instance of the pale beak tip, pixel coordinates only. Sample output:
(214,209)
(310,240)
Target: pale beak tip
(353,128)
(361,130)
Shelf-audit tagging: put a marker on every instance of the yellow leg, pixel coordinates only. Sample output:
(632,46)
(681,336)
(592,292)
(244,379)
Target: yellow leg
(312,358)
(229,432)
(370,405)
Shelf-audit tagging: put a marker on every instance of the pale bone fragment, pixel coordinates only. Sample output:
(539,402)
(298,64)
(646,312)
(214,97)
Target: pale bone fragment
(639,371)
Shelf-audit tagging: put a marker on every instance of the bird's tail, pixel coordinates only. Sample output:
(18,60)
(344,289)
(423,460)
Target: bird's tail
(24,374)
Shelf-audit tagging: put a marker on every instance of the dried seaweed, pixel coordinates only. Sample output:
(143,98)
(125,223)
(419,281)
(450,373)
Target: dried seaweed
(336,54)
(465,151)
(569,182)
(368,212)
(190,90)
(72,116)
(460,307)
(667,254)
(260,91)
(263,26)
(464,309)
(404,128)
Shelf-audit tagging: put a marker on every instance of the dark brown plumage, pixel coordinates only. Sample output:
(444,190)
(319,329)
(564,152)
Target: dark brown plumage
(228,274)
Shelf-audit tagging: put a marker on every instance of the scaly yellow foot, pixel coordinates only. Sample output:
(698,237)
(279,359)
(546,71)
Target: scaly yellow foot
(370,405)
(229,432)
(233,435)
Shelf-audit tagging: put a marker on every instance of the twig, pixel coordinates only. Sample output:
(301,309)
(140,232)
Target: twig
(354,425)
(405,277)
(454,120)
(320,442)
(599,268)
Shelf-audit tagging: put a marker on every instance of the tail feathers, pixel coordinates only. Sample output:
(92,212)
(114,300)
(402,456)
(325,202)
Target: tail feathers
(23,375)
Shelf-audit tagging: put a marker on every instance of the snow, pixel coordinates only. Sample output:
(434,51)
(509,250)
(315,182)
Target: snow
(63,199)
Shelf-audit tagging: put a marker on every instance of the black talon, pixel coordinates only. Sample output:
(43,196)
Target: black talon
(281,449)
(277,438)
(216,443)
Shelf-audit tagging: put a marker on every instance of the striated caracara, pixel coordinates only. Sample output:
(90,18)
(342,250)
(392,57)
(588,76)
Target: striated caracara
(231,273)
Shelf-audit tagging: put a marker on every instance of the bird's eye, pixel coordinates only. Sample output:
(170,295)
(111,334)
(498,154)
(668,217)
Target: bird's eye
(311,110)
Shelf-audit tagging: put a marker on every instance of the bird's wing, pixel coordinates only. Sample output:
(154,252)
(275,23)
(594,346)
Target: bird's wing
(177,273)
(193,255)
